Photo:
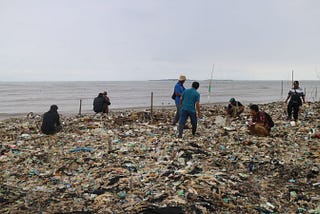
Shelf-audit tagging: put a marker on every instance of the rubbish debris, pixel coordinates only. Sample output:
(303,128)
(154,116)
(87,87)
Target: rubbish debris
(123,163)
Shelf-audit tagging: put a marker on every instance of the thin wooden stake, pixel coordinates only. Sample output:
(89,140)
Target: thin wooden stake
(80,107)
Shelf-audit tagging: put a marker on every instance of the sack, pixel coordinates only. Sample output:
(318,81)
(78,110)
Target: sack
(173,96)
(269,119)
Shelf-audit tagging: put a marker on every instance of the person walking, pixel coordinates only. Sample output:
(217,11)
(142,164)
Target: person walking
(51,121)
(295,94)
(178,90)
(190,106)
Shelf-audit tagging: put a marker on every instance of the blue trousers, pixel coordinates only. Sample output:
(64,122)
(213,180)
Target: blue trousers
(183,119)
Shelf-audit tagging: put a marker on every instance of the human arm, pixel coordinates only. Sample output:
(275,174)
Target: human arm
(58,120)
(178,90)
(303,98)
(289,95)
(108,100)
(198,109)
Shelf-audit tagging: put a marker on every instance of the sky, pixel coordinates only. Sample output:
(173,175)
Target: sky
(111,40)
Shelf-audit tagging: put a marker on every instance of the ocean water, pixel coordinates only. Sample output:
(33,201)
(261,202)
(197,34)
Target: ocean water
(24,97)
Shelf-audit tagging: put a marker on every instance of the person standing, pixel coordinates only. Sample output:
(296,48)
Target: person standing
(178,90)
(107,103)
(190,106)
(51,121)
(295,94)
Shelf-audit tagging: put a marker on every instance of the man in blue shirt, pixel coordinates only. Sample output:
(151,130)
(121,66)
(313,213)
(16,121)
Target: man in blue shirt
(190,107)
(178,90)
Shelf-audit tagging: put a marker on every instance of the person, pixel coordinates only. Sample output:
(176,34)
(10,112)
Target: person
(260,124)
(190,106)
(234,108)
(99,103)
(51,121)
(107,103)
(295,94)
(178,90)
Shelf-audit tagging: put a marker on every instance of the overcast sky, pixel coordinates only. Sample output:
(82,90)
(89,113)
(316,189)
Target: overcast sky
(159,39)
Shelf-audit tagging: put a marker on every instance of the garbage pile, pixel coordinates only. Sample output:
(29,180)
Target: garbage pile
(133,162)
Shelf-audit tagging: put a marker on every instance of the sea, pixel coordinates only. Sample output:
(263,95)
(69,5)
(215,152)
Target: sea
(21,98)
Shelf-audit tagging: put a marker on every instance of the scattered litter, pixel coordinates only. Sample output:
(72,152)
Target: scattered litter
(123,163)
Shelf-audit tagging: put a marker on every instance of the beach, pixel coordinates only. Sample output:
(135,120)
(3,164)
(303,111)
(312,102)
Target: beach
(131,161)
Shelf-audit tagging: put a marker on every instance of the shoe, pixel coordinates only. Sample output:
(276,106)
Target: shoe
(186,127)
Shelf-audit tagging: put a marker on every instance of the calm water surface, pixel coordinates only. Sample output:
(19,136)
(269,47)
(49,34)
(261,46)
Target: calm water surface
(24,97)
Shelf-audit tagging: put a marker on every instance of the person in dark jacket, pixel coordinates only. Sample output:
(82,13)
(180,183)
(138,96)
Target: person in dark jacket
(99,103)
(51,121)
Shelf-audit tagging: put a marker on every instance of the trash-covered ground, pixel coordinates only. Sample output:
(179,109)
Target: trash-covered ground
(124,163)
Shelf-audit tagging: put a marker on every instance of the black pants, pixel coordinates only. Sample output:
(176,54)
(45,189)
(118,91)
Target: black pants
(295,107)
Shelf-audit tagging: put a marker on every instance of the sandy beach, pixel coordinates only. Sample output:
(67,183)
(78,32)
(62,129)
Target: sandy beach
(133,162)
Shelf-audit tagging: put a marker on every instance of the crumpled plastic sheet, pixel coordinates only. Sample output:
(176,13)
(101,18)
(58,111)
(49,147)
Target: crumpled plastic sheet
(123,163)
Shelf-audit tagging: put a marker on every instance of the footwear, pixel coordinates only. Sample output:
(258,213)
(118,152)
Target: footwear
(186,127)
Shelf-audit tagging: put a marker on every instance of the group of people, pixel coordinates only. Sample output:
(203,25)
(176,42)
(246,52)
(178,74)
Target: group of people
(51,120)
(187,105)
(101,103)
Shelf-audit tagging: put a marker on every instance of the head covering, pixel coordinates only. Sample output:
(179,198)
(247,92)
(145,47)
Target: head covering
(232,100)
(182,78)
(53,108)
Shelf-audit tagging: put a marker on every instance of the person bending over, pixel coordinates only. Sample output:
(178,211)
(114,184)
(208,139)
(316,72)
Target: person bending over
(235,108)
(261,122)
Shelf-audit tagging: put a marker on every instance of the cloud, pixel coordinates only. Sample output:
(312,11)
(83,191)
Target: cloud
(149,39)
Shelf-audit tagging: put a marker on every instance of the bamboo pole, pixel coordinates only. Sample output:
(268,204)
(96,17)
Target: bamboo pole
(281,89)
(151,108)
(210,83)
(80,107)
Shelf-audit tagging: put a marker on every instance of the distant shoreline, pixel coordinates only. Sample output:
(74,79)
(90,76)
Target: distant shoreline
(5,116)
(215,80)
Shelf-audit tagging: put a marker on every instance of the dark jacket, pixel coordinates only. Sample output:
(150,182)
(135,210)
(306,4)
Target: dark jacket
(98,103)
(51,122)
